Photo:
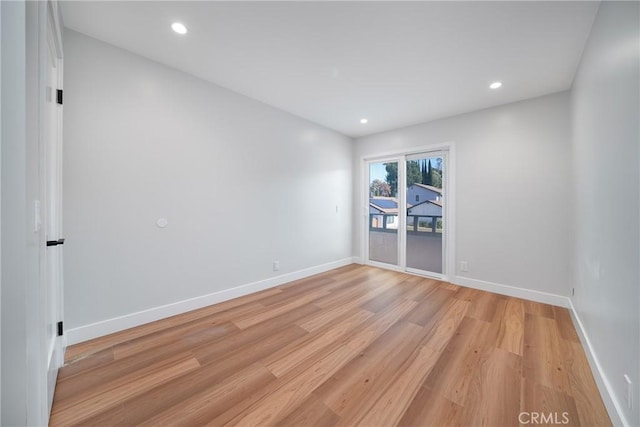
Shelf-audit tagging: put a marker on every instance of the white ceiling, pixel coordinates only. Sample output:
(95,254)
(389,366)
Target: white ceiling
(395,63)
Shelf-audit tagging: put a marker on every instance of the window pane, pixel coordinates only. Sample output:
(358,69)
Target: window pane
(383,212)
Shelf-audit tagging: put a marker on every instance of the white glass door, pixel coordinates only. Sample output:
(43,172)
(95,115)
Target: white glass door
(383,212)
(425,219)
(406,220)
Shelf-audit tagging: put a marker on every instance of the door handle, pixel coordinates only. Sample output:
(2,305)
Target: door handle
(55,242)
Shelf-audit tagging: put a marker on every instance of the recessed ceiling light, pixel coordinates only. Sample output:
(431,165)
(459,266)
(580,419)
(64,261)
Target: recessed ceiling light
(179,28)
(495,85)
(363,121)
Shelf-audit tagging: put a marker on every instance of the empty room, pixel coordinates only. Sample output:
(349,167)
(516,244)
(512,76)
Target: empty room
(320,213)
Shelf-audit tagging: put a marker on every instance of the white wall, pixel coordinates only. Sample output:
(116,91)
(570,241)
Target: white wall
(510,161)
(143,142)
(605,104)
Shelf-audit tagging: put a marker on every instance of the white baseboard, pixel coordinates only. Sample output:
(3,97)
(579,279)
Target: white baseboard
(117,324)
(512,291)
(614,407)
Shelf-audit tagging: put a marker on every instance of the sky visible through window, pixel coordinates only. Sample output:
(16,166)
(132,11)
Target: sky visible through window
(378,171)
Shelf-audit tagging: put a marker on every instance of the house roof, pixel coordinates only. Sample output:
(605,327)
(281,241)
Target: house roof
(384,202)
(429,187)
(388,205)
(433,202)
(383,210)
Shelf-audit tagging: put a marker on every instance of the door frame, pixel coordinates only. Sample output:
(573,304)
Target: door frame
(50,40)
(449,258)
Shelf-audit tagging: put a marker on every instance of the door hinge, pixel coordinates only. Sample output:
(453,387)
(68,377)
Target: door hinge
(60,96)
(60,329)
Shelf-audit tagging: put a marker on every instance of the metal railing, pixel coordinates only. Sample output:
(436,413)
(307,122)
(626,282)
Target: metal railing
(429,224)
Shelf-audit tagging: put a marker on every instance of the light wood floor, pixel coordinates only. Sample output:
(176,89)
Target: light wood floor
(354,346)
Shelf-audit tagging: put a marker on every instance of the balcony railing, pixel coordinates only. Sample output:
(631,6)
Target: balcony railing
(415,223)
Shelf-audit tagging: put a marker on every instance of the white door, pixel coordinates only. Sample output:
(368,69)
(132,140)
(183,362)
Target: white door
(426,219)
(51,173)
(383,212)
(407,213)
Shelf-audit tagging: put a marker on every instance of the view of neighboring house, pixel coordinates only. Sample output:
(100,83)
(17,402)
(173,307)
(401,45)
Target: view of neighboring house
(383,212)
(417,193)
(422,200)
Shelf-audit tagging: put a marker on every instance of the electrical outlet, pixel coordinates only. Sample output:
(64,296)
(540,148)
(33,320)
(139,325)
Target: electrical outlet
(464,266)
(276,265)
(629,391)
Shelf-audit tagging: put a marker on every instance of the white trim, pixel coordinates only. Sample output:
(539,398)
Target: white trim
(614,407)
(116,324)
(408,151)
(512,291)
(384,266)
(424,273)
(402,212)
(450,210)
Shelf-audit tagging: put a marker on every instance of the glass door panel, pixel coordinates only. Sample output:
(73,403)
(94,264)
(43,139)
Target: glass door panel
(383,212)
(424,213)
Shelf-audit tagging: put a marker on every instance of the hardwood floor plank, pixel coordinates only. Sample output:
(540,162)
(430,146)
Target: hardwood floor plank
(119,368)
(483,306)
(565,324)
(312,413)
(201,407)
(493,398)
(558,408)
(451,377)
(276,310)
(289,294)
(354,346)
(391,295)
(330,313)
(290,394)
(93,346)
(421,289)
(175,392)
(539,309)
(348,290)
(427,309)
(288,357)
(430,408)
(388,317)
(390,407)
(591,409)
(442,328)
(202,330)
(275,340)
(543,360)
(86,363)
(511,329)
(74,411)
(218,348)
(368,373)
